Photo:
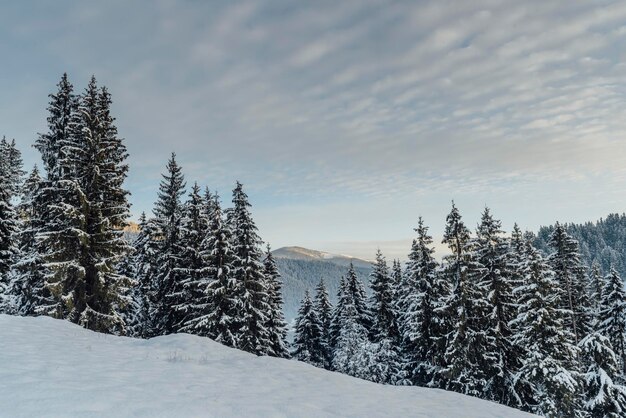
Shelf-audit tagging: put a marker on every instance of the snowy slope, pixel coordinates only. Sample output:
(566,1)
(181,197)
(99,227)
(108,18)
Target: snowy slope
(51,368)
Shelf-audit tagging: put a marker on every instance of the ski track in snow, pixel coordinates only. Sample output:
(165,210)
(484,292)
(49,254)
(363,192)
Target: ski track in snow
(51,368)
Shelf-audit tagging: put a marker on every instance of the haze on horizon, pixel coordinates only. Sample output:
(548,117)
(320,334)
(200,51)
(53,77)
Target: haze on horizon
(346,121)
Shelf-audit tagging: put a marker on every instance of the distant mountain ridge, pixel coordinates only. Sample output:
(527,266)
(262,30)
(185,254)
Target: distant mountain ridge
(301,253)
(302,268)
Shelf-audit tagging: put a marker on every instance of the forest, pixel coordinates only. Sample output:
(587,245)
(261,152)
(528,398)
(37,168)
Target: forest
(516,318)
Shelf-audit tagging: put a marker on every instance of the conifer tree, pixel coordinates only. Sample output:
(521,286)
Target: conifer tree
(420,325)
(12,171)
(612,317)
(217,305)
(596,283)
(28,285)
(308,334)
(98,157)
(494,275)
(603,397)
(383,313)
(324,310)
(570,274)
(168,280)
(61,237)
(252,336)
(8,236)
(545,382)
(192,266)
(462,372)
(352,354)
(276,325)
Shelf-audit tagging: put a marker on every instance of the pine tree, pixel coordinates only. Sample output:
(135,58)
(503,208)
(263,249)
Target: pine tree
(8,236)
(570,273)
(192,266)
(168,280)
(217,305)
(603,397)
(13,167)
(32,297)
(596,283)
(545,381)
(352,354)
(275,325)
(308,334)
(612,317)
(420,325)
(324,310)
(462,372)
(252,336)
(143,264)
(99,162)
(384,323)
(61,237)
(494,275)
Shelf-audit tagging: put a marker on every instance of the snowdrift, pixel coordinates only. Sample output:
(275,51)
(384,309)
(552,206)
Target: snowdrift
(52,368)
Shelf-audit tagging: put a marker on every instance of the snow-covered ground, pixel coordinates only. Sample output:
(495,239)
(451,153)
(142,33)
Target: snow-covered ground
(51,368)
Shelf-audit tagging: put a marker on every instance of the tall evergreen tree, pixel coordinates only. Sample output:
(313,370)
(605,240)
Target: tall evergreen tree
(493,273)
(463,372)
(612,317)
(99,157)
(28,286)
(324,310)
(217,305)
(570,273)
(544,382)
(61,237)
(420,325)
(168,280)
(12,171)
(192,266)
(252,336)
(8,236)
(384,323)
(308,334)
(275,325)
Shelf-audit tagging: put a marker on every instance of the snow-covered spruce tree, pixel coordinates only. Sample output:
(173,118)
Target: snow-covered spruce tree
(421,290)
(275,325)
(381,302)
(307,341)
(28,283)
(596,283)
(491,253)
(350,292)
(463,372)
(571,276)
(168,280)
(324,310)
(99,157)
(217,305)
(603,397)
(61,237)
(612,317)
(143,266)
(8,237)
(13,172)
(252,336)
(353,350)
(545,381)
(192,266)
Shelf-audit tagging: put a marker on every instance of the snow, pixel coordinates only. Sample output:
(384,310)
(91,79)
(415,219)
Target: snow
(52,368)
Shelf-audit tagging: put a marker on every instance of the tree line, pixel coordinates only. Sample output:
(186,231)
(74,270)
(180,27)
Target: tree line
(193,267)
(495,319)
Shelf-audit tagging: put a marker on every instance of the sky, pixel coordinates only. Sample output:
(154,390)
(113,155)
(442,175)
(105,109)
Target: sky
(345,121)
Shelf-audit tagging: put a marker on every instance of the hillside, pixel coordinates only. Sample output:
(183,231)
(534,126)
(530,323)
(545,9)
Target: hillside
(52,368)
(300,253)
(298,275)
